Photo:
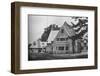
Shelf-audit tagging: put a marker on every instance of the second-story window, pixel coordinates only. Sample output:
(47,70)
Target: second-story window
(62,30)
(61,47)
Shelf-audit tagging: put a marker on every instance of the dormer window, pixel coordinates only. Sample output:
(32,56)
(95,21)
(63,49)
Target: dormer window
(62,30)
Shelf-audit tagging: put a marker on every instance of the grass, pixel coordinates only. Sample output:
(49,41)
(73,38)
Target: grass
(46,56)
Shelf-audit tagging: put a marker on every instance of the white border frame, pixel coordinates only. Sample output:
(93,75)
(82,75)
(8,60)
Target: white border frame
(25,64)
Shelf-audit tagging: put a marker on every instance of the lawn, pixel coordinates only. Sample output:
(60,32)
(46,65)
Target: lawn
(46,56)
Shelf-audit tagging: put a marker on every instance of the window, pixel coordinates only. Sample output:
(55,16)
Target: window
(61,48)
(66,47)
(62,30)
(62,39)
(66,38)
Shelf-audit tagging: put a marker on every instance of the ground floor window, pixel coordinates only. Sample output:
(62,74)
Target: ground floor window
(61,48)
(66,47)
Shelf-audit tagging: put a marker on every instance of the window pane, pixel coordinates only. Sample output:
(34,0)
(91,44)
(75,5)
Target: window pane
(66,47)
(61,48)
(62,39)
(62,30)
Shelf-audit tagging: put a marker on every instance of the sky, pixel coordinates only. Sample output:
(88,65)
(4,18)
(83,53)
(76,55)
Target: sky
(37,23)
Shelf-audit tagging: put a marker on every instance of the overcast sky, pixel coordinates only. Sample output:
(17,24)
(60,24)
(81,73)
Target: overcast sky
(37,23)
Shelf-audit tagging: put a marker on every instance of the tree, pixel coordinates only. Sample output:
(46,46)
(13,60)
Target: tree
(80,29)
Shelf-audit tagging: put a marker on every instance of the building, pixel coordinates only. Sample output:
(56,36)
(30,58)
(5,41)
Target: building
(61,42)
(38,46)
(52,35)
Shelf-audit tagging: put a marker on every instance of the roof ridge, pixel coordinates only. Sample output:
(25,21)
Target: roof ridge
(68,29)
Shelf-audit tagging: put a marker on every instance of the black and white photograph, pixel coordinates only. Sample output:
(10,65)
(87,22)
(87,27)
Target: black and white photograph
(53,37)
(57,37)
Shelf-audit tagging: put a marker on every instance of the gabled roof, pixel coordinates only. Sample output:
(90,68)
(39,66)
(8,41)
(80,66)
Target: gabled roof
(69,32)
(52,35)
(68,29)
